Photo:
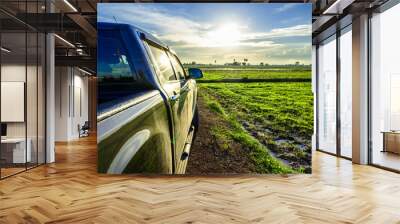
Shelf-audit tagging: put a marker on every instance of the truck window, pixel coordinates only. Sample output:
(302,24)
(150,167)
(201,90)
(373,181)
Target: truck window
(180,72)
(116,76)
(163,63)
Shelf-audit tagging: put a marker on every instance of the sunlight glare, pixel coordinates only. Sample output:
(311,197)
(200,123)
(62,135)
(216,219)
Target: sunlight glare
(225,35)
(164,61)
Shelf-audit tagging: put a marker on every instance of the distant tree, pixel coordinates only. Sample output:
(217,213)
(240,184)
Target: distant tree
(244,63)
(261,64)
(297,63)
(193,62)
(215,61)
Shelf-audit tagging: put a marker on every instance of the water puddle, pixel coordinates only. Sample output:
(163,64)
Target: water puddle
(285,146)
(280,141)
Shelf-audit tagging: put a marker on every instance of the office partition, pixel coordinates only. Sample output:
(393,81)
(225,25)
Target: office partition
(22,77)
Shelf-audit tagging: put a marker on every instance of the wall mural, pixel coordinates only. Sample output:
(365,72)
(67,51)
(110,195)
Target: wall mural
(204,88)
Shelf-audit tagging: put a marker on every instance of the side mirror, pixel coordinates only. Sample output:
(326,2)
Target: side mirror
(195,73)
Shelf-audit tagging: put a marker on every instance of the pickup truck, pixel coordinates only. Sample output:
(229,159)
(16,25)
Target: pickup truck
(146,114)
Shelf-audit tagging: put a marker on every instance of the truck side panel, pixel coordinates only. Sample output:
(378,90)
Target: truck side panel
(136,140)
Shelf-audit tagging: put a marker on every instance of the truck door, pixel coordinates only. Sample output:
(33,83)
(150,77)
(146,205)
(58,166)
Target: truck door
(177,98)
(187,92)
(187,87)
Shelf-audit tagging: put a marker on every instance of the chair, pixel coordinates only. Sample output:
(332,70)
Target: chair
(84,130)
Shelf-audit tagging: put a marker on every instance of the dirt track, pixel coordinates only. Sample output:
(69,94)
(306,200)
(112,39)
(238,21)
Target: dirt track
(208,157)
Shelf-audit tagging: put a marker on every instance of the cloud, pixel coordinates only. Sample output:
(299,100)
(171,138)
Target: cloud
(293,31)
(164,25)
(286,7)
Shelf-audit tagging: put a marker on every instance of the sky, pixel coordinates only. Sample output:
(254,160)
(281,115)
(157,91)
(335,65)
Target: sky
(273,33)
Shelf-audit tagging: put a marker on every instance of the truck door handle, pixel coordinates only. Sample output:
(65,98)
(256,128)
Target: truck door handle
(175,97)
(185,89)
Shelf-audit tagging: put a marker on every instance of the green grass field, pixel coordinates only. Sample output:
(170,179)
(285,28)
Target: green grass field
(278,114)
(218,74)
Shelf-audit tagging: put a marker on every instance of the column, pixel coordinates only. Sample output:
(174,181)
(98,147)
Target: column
(360,90)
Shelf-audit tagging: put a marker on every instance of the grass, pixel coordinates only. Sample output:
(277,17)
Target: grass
(268,117)
(263,161)
(217,74)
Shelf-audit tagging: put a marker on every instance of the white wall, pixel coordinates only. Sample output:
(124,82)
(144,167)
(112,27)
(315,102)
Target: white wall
(13,100)
(71,94)
(80,112)
(62,81)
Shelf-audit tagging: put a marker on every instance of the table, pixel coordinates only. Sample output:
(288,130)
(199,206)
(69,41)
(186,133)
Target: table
(391,141)
(19,155)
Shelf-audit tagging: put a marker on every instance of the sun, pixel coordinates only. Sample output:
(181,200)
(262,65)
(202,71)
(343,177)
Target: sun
(224,35)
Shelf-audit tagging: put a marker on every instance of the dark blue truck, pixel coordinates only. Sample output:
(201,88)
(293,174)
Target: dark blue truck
(147,114)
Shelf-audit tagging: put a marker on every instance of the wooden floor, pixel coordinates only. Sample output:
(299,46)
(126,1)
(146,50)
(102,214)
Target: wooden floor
(70,191)
(11,170)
